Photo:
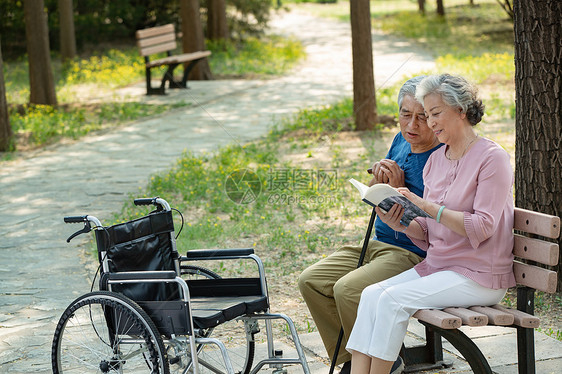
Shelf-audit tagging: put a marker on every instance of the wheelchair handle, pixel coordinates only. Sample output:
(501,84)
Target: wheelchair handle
(87,227)
(156,201)
(75,219)
(144,201)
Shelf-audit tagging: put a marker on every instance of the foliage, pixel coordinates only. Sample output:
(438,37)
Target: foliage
(249,18)
(107,21)
(95,21)
(112,68)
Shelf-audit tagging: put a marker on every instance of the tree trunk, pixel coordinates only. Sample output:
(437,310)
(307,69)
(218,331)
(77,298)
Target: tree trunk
(5,128)
(440,8)
(41,80)
(193,39)
(217,26)
(364,100)
(538,94)
(67,33)
(421,6)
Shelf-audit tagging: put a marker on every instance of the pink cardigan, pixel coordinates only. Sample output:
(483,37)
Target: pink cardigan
(480,185)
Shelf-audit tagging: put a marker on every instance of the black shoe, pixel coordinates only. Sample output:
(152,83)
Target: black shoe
(398,366)
(346,368)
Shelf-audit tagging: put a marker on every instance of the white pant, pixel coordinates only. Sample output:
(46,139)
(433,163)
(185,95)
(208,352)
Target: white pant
(386,307)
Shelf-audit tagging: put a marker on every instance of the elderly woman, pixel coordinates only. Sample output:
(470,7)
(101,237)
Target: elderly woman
(468,191)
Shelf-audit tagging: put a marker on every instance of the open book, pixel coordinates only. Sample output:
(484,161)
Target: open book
(385,196)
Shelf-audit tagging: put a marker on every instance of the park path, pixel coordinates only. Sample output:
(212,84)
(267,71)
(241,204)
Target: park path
(40,274)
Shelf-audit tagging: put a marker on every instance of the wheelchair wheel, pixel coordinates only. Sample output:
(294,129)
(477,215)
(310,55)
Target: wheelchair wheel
(105,332)
(190,272)
(237,336)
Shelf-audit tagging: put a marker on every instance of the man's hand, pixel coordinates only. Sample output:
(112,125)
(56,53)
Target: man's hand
(378,175)
(387,171)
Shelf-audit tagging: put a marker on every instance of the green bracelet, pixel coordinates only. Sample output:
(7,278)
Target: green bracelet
(438,219)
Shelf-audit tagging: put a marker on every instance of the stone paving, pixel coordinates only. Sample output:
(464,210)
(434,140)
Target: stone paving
(40,274)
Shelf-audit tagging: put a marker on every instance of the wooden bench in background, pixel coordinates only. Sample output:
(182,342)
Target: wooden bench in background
(162,39)
(535,250)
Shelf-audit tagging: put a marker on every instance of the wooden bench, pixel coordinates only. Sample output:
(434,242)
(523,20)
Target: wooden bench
(162,39)
(534,248)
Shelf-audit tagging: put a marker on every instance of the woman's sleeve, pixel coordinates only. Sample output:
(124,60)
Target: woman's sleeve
(421,244)
(494,187)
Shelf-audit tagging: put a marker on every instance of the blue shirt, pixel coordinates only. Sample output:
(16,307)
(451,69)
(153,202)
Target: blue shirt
(412,164)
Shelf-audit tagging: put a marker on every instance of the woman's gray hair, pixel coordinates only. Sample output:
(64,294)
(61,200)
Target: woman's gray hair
(456,92)
(409,88)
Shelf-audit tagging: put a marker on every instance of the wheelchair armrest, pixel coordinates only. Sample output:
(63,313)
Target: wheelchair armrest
(141,275)
(216,253)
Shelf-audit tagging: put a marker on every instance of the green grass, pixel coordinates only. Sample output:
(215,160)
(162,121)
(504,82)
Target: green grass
(269,56)
(464,31)
(39,125)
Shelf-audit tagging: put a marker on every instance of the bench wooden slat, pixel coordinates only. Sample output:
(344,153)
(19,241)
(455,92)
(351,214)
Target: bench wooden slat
(147,42)
(154,31)
(495,316)
(468,317)
(535,277)
(178,59)
(546,253)
(520,318)
(159,48)
(439,318)
(537,223)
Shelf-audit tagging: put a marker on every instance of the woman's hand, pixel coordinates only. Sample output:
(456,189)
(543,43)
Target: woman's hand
(392,217)
(421,203)
(454,220)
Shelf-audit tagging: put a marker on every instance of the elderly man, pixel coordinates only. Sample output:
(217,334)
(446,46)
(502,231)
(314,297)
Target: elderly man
(332,287)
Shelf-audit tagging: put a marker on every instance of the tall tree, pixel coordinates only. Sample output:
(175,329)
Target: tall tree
(440,8)
(193,39)
(538,95)
(217,26)
(41,80)
(421,6)
(67,33)
(5,128)
(364,99)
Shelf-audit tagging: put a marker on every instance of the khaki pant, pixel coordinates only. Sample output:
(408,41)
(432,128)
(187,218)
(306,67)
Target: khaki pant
(332,287)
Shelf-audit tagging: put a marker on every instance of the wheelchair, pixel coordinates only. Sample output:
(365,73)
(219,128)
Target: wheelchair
(159,312)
